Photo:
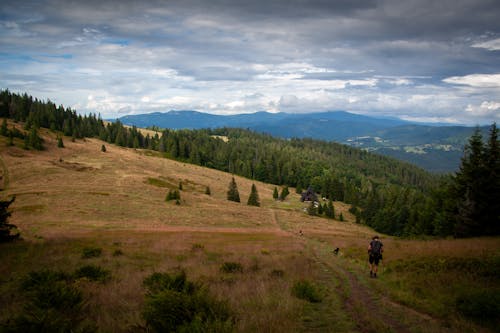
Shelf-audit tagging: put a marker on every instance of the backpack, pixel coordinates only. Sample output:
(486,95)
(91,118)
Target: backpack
(376,247)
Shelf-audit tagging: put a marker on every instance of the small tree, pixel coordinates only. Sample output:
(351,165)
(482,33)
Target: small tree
(180,186)
(311,210)
(341,217)
(275,193)
(173,195)
(207,191)
(3,129)
(6,228)
(284,193)
(330,210)
(232,193)
(320,209)
(253,199)
(103,148)
(60,143)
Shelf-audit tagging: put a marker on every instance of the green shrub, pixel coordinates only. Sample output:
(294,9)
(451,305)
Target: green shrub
(91,252)
(231,267)
(197,246)
(305,290)
(482,306)
(53,304)
(93,273)
(174,304)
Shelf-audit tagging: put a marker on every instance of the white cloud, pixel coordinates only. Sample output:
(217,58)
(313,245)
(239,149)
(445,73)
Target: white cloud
(485,109)
(476,80)
(491,45)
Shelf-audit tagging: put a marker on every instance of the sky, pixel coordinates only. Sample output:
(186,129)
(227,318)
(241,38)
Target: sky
(418,60)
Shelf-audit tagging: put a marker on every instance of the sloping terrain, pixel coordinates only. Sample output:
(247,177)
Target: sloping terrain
(78,197)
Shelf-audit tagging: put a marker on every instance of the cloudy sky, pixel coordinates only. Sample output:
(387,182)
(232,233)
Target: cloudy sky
(423,60)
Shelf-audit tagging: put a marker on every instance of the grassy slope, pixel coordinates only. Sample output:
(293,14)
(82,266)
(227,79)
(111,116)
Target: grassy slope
(72,198)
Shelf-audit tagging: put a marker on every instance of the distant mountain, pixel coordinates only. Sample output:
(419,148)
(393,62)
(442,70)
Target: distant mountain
(434,148)
(332,126)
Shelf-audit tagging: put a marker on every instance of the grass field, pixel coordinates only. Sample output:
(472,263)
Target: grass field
(73,200)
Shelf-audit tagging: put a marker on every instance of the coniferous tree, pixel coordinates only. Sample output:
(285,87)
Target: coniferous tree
(180,186)
(5,227)
(330,210)
(469,182)
(311,210)
(60,143)
(253,199)
(207,191)
(341,217)
(275,193)
(103,148)
(284,193)
(232,193)
(320,209)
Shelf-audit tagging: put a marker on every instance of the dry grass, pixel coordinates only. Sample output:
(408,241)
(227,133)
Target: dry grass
(77,197)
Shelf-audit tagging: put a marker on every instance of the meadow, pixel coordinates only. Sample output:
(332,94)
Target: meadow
(273,266)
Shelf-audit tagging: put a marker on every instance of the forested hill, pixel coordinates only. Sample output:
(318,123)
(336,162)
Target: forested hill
(435,148)
(393,197)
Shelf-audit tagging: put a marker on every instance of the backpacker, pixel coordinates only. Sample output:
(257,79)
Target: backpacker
(376,247)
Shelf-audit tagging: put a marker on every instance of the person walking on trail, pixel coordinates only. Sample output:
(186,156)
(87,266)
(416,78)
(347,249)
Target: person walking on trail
(375,249)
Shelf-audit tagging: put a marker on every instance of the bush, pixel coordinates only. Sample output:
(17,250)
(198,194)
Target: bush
(174,304)
(231,267)
(53,304)
(482,306)
(117,253)
(93,273)
(305,290)
(91,252)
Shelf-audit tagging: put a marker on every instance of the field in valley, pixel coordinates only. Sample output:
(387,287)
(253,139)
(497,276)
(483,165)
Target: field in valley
(72,199)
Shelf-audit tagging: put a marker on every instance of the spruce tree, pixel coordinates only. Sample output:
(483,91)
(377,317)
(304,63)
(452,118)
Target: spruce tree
(5,227)
(275,193)
(253,199)
(341,217)
(60,143)
(103,148)
(284,193)
(232,193)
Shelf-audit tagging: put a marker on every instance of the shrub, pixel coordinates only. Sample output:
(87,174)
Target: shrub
(91,252)
(231,267)
(279,273)
(197,246)
(482,306)
(53,304)
(174,304)
(117,253)
(305,290)
(93,273)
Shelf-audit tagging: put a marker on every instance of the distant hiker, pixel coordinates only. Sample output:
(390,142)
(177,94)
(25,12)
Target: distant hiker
(336,251)
(375,250)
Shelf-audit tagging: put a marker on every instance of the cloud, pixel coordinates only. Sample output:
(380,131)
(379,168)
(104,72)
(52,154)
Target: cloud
(491,45)
(485,109)
(476,80)
(414,59)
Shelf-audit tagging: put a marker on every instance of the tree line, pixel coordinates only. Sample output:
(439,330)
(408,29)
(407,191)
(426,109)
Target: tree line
(393,197)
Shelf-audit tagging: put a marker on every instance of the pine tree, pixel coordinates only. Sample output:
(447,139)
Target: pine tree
(275,193)
(103,148)
(180,186)
(469,183)
(320,209)
(232,193)
(207,191)
(311,210)
(253,199)
(341,217)
(330,210)
(5,227)
(60,143)
(284,193)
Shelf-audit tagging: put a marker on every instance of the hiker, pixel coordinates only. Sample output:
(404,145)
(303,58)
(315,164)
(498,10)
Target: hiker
(375,250)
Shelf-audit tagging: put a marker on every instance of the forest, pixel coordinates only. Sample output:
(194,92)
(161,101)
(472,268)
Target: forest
(391,196)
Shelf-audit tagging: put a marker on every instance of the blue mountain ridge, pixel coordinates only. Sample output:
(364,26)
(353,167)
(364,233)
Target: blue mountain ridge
(434,147)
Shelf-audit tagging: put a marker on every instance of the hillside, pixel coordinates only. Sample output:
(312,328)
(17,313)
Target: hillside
(72,199)
(434,148)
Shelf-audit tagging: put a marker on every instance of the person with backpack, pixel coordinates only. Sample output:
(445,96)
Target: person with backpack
(375,249)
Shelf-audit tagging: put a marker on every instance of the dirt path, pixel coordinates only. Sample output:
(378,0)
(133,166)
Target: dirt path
(369,308)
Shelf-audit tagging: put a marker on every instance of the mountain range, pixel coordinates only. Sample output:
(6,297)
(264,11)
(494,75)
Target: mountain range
(436,148)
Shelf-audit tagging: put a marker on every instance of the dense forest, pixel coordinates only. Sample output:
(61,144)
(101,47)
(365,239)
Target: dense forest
(391,196)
